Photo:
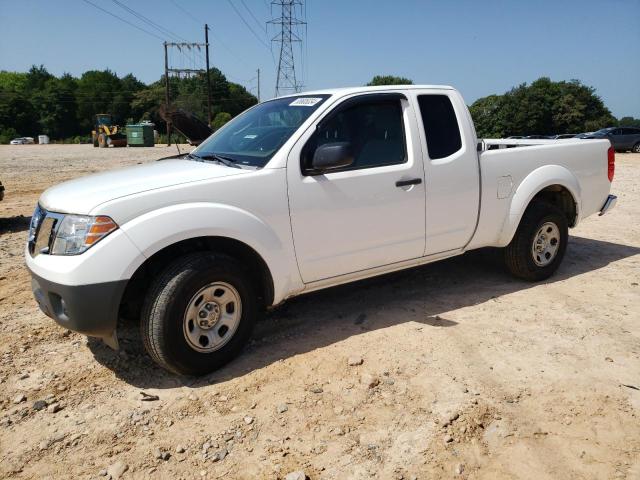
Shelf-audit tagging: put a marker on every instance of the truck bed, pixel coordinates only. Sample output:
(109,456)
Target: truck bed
(508,166)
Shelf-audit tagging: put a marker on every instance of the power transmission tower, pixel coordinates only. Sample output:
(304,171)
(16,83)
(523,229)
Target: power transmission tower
(289,24)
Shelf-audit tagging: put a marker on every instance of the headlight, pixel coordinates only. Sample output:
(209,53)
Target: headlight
(75,234)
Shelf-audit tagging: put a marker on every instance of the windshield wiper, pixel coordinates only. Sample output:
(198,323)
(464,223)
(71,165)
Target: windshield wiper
(173,157)
(229,162)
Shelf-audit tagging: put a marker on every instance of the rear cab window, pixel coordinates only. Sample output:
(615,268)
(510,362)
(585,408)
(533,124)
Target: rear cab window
(440,125)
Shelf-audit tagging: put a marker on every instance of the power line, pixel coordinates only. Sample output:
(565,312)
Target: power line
(186,12)
(215,35)
(148,21)
(123,20)
(163,31)
(258,22)
(248,26)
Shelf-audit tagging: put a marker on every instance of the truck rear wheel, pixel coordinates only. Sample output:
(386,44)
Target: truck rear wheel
(538,247)
(199,313)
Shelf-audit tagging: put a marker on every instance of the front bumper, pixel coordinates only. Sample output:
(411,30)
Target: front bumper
(88,309)
(608,205)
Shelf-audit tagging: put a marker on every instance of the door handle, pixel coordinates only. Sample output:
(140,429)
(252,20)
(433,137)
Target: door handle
(406,183)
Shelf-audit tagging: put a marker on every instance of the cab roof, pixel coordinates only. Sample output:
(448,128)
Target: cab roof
(382,88)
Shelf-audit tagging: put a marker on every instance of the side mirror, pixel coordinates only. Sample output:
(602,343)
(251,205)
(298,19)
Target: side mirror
(331,156)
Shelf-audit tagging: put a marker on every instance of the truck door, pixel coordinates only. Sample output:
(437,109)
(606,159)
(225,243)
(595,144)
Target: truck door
(451,170)
(370,213)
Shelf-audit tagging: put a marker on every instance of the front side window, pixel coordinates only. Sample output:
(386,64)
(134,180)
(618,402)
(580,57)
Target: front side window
(373,128)
(440,125)
(253,137)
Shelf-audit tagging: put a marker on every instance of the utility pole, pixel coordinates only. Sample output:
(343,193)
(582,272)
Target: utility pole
(258,85)
(183,71)
(206,42)
(166,91)
(289,23)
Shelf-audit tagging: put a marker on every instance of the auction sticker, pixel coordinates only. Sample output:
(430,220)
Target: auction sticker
(305,102)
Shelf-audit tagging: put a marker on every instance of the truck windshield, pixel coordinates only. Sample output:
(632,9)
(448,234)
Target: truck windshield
(254,136)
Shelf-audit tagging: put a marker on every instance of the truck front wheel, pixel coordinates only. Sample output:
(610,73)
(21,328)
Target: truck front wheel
(537,248)
(199,313)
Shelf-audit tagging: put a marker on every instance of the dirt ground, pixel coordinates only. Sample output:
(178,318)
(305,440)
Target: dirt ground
(466,372)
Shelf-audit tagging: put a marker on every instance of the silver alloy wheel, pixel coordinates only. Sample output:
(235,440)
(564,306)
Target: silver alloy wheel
(636,147)
(212,317)
(545,244)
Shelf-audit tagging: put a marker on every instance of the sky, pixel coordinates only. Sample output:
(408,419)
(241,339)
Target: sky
(481,47)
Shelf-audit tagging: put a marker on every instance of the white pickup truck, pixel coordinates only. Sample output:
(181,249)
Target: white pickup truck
(297,194)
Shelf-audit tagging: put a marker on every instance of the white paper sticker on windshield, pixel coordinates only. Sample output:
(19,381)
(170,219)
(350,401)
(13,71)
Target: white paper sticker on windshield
(305,102)
(250,137)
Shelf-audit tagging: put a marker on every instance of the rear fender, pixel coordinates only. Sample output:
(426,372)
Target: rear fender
(532,184)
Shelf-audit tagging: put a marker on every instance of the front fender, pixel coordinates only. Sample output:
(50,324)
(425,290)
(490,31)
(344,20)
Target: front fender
(166,226)
(532,184)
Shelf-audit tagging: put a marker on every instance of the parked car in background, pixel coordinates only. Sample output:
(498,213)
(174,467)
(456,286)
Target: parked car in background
(565,136)
(622,138)
(22,141)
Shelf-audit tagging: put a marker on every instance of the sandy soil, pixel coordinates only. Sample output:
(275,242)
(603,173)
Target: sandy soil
(466,373)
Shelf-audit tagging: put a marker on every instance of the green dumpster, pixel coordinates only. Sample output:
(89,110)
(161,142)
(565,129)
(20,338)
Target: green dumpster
(140,135)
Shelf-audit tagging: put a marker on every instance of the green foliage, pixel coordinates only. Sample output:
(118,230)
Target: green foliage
(629,122)
(176,137)
(104,92)
(388,80)
(191,94)
(37,102)
(220,120)
(7,135)
(57,107)
(543,108)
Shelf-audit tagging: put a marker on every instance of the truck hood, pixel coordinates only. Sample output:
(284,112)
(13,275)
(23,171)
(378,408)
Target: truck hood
(84,194)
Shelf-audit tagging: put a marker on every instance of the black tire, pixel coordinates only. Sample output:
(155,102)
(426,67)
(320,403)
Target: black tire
(518,255)
(636,148)
(163,312)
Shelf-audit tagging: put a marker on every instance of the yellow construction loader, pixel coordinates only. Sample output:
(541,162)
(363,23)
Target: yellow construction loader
(105,133)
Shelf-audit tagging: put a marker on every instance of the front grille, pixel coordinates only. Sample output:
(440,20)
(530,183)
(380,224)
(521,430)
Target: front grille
(41,231)
(34,227)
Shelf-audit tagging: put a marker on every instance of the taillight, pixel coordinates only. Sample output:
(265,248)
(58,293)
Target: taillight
(611,159)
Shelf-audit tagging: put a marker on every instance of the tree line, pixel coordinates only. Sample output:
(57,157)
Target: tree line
(38,102)
(542,108)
